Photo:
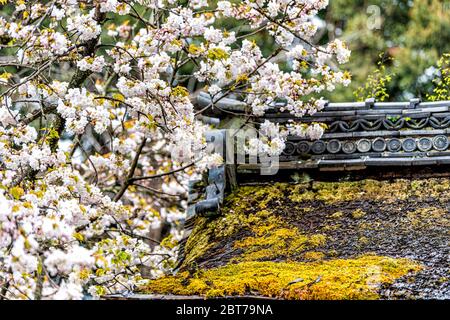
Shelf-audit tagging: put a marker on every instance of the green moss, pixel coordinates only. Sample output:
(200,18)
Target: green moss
(271,244)
(388,191)
(272,237)
(317,240)
(332,279)
(250,215)
(260,195)
(199,241)
(208,232)
(267,236)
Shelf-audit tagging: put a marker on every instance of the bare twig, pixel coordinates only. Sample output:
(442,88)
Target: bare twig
(163,174)
(129,178)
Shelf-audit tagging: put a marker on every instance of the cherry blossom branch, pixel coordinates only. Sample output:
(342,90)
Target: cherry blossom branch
(160,175)
(129,179)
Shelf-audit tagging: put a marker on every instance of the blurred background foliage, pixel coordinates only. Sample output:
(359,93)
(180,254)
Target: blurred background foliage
(411,35)
(396,46)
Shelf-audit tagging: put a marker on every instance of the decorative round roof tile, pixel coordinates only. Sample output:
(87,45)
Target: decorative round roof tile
(394,145)
(379,145)
(425,144)
(303,147)
(440,142)
(334,146)
(289,149)
(349,147)
(363,145)
(409,144)
(318,147)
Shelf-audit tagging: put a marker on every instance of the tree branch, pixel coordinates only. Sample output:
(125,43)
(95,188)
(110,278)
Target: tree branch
(163,174)
(129,179)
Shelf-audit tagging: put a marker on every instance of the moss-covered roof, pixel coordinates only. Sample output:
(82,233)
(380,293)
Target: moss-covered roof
(322,240)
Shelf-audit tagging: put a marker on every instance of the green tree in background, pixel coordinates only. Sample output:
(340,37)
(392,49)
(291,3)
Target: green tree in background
(414,33)
(441,90)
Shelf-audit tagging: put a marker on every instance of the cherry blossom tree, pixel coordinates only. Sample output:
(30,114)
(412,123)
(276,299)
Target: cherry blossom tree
(99,132)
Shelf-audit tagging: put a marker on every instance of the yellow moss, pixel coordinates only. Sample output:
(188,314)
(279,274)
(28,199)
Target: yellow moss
(333,253)
(331,279)
(337,215)
(198,242)
(251,216)
(373,225)
(358,213)
(427,217)
(388,191)
(272,237)
(262,195)
(300,193)
(208,232)
(443,280)
(276,242)
(314,255)
(317,240)
(198,285)
(235,217)
(363,240)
